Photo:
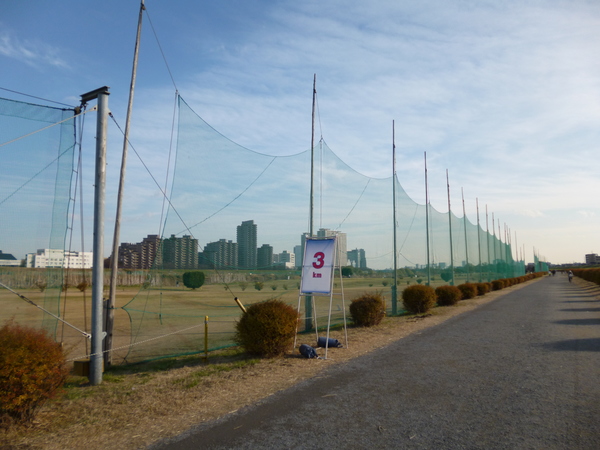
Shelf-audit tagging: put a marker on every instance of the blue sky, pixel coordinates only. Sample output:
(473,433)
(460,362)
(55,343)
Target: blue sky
(503,94)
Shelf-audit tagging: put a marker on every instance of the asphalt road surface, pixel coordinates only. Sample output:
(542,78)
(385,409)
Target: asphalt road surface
(521,372)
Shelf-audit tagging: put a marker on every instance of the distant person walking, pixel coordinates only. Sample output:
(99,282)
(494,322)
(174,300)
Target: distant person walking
(570,276)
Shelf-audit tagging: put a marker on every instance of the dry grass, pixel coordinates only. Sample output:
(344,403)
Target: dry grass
(139,405)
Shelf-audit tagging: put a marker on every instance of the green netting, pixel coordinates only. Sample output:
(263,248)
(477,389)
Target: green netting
(218,184)
(36,149)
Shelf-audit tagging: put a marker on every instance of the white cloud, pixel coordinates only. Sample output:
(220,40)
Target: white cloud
(31,52)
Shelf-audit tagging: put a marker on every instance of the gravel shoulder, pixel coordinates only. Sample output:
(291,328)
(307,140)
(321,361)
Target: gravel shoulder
(516,371)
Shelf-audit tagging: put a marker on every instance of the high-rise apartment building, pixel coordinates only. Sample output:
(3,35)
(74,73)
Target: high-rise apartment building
(298,254)
(143,255)
(180,253)
(220,254)
(247,247)
(299,249)
(264,256)
(357,258)
(341,244)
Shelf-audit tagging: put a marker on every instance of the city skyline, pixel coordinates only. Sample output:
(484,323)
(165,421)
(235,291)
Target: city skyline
(502,94)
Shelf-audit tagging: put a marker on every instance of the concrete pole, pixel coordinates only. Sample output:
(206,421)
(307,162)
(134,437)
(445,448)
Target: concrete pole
(101,94)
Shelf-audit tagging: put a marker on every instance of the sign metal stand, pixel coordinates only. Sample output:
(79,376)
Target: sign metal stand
(320,260)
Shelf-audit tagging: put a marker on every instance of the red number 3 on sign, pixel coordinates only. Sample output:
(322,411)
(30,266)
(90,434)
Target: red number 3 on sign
(320,260)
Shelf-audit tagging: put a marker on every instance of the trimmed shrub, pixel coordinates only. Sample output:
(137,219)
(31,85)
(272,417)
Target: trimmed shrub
(367,310)
(447,295)
(483,288)
(418,299)
(267,328)
(32,370)
(193,280)
(497,285)
(469,290)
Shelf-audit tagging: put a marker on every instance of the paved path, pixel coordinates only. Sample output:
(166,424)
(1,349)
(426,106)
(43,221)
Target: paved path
(521,372)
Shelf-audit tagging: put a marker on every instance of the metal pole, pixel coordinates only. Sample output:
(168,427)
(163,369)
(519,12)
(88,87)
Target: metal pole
(494,241)
(312,157)
(114,261)
(308,300)
(395,285)
(450,228)
(101,94)
(466,240)
(206,338)
(489,254)
(479,240)
(427,221)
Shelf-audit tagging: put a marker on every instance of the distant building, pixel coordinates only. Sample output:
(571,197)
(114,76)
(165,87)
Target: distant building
(57,258)
(180,253)
(143,255)
(8,260)
(264,256)
(298,254)
(592,258)
(286,260)
(247,245)
(357,258)
(220,254)
(341,244)
(299,249)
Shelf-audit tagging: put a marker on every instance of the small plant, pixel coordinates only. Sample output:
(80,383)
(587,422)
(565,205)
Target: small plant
(367,310)
(446,276)
(497,285)
(267,328)
(483,288)
(418,299)
(259,285)
(41,285)
(469,290)
(32,369)
(193,280)
(384,283)
(83,286)
(448,295)
(274,287)
(243,285)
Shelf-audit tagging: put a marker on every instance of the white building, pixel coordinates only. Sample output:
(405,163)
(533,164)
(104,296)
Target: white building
(8,260)
(60,259)
(288,260)
(341,244)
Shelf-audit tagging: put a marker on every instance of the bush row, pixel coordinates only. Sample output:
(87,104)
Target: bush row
(268,328)
(592,275)
(419,299)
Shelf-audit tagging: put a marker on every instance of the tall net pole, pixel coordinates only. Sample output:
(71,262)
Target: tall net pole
(395,285)
(101,94)
(114,261)
(308,298)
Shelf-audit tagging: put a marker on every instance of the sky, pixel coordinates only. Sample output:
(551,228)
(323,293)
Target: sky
(504,95)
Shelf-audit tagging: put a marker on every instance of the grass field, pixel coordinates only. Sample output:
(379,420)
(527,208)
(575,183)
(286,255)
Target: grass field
(156,322)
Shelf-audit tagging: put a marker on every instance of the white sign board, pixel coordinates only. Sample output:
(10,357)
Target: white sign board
(317,266)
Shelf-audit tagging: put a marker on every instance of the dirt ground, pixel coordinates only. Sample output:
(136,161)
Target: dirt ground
(135,407)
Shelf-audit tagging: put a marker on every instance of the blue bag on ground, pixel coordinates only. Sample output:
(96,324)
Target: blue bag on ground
(332,343)
(308,351)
